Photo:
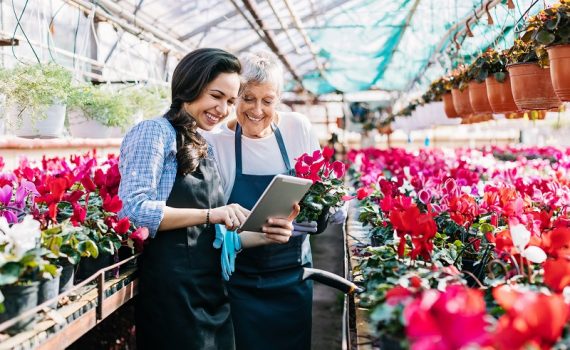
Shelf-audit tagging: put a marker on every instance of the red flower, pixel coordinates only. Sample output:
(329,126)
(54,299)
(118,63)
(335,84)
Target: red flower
(557,274)
(79,214)
(531,319)
(338,169)
(88,184)
(122,226)
(112,204)
(328,153)
(363,192)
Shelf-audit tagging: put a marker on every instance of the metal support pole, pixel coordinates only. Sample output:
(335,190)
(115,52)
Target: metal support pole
(269,39)
(305,36)
(148,33)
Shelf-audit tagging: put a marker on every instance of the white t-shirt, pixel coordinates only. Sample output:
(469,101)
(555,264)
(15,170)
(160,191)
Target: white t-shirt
(261,156)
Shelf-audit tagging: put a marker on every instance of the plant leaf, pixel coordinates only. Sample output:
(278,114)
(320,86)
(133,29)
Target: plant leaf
(545,38)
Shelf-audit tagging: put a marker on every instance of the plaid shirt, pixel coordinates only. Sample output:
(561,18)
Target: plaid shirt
(147,163)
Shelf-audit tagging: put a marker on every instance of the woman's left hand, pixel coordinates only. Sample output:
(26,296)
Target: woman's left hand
(279,230)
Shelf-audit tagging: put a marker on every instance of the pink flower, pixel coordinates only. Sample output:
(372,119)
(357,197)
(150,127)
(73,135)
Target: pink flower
(447,320)
(138,237)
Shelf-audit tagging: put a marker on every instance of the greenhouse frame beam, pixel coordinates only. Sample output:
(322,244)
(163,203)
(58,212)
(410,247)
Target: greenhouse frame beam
(456,30)
(140,29)
(207,25)
(269,38)
(322,11)
(284,26)
(298,25)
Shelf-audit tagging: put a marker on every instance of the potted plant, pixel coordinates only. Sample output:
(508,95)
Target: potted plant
(22,264)
(447,98)
(440,90)
(551,29)
(530,81)
(37,96)
(498,82)
(327,191)
(95,110)
(477,73)
(460,91)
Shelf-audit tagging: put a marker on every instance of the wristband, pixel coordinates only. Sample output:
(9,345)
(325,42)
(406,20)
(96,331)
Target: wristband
(208,217)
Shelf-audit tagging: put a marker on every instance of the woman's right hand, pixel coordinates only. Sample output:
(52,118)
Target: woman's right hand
(232,216)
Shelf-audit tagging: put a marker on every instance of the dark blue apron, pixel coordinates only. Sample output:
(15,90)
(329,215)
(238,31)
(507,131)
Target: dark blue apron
(271,307)
(182,301)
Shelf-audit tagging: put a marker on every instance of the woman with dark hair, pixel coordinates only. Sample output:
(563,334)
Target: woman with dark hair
(169,184)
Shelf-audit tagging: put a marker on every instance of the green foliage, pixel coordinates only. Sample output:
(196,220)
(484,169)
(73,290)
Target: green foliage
(526,52)
(550,26)
(103,105)
(489,63)
(36,87)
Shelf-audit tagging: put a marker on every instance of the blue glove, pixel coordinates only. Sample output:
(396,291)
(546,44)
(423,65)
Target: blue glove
(230,242)
(340,215)
(300,228)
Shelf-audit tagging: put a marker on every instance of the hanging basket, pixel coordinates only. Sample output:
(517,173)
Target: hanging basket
(478,98)
(449,108)
(461,102)
(35,125)
(559,57)
(531,87)
(500,95)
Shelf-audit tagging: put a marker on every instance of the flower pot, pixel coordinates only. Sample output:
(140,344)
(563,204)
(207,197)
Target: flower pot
(500,95)
(559,57)
(322,221)
(449,108)
(80,126)
(478,98)
(34,126)
(89,266)
(531,87)
(461,102)
(49,289)
(119,132)
(66,277)
(18,299)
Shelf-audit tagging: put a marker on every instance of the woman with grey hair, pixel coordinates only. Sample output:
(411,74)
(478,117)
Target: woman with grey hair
(270,306)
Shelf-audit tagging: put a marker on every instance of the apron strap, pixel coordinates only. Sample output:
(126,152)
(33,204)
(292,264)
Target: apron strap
(282,148)
(280,143)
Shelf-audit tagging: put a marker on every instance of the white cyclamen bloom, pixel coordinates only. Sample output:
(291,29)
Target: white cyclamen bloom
(521,236)
(25,236)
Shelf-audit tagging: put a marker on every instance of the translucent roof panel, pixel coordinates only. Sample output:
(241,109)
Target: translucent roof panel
(325,45)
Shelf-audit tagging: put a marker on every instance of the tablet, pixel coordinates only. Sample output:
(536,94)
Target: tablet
(276,201)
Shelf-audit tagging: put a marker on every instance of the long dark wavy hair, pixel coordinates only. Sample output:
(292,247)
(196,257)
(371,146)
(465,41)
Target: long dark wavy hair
(196,70)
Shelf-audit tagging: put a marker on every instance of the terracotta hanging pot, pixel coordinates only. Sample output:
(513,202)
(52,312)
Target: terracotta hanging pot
(478,98)
(559,57)
(500,95)
(461,102)
(448,106)
(531,86)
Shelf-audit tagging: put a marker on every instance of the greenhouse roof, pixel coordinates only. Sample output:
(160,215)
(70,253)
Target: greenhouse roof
(327,45)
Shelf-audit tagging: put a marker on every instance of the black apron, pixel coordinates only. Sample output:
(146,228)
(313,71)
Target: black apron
(271,307)
(182,301)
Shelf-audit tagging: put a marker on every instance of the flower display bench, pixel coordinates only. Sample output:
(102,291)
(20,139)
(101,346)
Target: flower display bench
(87,304)
(356,329)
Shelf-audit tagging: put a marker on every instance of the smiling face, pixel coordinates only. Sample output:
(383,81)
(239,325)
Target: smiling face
(256,109)
(215,102)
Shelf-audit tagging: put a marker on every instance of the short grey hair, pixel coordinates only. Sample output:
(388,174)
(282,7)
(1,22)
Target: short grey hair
(260,67)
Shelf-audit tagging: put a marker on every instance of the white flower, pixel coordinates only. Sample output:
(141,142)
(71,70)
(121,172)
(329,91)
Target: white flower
(521,236)
(25,236)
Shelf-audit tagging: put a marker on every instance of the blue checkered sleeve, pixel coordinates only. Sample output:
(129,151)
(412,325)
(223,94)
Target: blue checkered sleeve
(148,169)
